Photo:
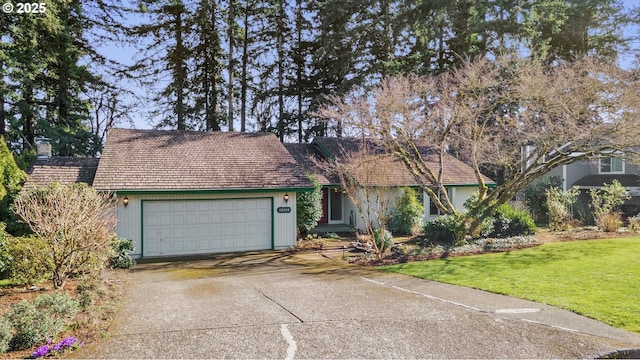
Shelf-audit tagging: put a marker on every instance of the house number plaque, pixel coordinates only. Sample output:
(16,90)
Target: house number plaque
(284,209)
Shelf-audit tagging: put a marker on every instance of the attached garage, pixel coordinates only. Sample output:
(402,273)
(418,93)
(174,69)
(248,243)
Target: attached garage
(183,227)
(201,192)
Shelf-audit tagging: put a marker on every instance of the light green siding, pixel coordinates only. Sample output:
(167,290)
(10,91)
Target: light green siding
(130,217)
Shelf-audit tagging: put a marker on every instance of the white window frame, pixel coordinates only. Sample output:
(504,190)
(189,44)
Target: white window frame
(611,171)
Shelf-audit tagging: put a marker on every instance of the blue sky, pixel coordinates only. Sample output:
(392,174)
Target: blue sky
(128,55)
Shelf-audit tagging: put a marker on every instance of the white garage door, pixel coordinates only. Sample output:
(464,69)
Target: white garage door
(181,227)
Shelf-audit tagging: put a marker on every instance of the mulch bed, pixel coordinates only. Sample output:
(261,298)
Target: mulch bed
(394,259)
(543,236)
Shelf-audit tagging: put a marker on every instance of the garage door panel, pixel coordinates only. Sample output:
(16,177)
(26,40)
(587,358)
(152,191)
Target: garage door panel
(191,246)
(206,226)
(191,232)
(228,217)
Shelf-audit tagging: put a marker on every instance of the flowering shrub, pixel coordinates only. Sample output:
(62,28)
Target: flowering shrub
(48,350)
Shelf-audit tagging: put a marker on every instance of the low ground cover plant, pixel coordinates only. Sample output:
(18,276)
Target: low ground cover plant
(595,278)
(35,322)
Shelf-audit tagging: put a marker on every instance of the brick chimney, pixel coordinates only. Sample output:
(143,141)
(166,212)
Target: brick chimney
(43,146)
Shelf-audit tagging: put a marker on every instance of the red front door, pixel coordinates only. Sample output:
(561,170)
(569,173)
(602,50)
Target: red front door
(325,206)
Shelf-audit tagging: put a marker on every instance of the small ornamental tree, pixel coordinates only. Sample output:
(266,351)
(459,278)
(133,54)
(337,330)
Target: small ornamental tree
(535,197)
(558,204)
(309,207)
(363,177)
(604,203)
(74,221)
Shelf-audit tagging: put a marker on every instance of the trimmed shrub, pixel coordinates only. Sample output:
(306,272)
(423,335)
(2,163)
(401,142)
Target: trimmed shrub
(121,258)
(408,213)
(383,242)
(309,207)
(6,333)
(38,321)
(30,260)
(444,228)
(508,222)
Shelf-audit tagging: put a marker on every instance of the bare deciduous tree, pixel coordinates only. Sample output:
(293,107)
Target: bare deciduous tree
(75,222)
(486,111)
(364,178)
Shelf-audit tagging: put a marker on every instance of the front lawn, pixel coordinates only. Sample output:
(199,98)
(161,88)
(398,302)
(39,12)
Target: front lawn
(596,278)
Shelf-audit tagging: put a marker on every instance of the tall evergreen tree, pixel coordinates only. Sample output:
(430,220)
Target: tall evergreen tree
(166,59)
(206,84)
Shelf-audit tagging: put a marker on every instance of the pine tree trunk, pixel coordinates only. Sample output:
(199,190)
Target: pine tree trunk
(245,60)
(230,68)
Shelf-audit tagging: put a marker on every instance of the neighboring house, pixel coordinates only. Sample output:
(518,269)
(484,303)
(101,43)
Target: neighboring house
(187,192)
(338,211)
(593,174)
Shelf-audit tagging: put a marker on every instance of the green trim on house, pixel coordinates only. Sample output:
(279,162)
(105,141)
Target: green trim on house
(141,228)
(205,191)
(469,185)
(273,225)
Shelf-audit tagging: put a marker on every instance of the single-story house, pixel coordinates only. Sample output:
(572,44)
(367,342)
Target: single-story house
(340,214)
(187,192)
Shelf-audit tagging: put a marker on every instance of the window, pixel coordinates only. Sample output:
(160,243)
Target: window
(433,209)
(611,166)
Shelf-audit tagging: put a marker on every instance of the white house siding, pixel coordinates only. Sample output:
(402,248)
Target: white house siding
(130,222)
(351,215)
(457,194)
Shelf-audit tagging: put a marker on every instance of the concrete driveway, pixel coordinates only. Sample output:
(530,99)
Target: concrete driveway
(277,305)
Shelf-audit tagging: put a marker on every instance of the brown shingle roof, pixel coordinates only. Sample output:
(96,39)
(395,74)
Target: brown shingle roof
(66,170)
(190,160)
(305,154)
(455,171)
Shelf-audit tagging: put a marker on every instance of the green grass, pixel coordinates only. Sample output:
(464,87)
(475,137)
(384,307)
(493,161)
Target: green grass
(596,278)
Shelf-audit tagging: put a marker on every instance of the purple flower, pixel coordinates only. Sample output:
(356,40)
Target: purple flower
(41,351)
(68,342)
